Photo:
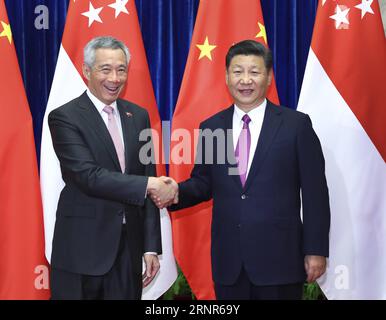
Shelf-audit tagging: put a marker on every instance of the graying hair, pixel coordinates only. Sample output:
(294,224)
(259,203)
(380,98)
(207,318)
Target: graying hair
(103,43)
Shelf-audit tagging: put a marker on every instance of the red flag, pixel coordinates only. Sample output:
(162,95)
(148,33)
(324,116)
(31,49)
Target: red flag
(344,93)
(219,24)
(86,20)
(23,268)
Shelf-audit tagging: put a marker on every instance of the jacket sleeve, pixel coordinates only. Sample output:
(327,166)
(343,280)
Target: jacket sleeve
(315,198)
(152,224)
(198,187)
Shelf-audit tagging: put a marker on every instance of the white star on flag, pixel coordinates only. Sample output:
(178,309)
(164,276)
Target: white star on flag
(340,16)
(119,6)
(93,14)
(365,6)
(324,1)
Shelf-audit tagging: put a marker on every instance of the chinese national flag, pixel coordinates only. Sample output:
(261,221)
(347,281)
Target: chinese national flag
(344,92)
(23,267)
(86,20)
(219,24)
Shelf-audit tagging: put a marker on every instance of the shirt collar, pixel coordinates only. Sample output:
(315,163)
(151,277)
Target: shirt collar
(254,114)
(99,104)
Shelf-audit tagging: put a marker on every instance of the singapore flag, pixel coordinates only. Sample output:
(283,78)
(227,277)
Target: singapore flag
(344,92)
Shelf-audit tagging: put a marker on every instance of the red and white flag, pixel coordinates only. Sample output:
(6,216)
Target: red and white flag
(219,24)
(86,20)
(23,267)
(344,92)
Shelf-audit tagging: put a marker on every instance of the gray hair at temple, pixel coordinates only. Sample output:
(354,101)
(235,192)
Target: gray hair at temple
(103,43)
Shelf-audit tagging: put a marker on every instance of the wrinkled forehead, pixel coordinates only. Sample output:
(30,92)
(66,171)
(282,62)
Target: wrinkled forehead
(110,56)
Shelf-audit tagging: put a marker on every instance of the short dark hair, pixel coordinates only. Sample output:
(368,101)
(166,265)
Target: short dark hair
(250,47)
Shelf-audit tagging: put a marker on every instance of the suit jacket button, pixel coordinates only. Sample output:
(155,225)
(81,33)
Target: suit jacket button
(243,197)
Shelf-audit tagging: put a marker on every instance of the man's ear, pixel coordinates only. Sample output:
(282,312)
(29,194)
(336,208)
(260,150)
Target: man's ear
(270,75)
(86,71)
(226,77)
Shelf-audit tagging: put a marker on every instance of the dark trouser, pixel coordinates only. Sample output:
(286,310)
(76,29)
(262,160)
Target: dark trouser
(244,289)
(116,284)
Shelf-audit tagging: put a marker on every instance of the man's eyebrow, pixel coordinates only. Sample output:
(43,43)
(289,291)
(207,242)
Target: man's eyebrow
(110,66)
(104,65)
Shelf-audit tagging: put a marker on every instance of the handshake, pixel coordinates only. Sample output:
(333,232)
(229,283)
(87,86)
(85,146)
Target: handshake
(163,191)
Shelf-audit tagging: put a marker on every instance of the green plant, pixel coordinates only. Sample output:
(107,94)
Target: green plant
(312,291)
(180,289)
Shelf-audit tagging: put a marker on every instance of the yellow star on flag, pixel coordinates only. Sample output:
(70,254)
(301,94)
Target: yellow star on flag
(205,49)
(262,33)
(6,31)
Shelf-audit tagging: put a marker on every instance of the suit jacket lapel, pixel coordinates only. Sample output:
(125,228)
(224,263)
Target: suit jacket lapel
(232,164)
(128,130)
(271,124)
(90,115)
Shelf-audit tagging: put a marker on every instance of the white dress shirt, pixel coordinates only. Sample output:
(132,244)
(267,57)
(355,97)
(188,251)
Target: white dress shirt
(257,116)
(100,105)
(105,117)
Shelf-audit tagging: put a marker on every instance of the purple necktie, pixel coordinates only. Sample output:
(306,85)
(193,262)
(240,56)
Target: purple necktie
(114,133)
(242,149)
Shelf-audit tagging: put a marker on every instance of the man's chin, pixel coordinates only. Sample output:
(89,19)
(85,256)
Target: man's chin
(111,98)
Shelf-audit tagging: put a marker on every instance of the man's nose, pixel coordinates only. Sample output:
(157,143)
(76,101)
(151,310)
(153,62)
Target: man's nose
(114,77)
(246,78)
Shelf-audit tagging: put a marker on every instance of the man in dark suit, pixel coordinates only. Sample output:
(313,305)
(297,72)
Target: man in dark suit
(261,248)
(105,223)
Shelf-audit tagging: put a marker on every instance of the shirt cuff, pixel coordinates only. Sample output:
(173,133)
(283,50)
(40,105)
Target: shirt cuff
(153,253)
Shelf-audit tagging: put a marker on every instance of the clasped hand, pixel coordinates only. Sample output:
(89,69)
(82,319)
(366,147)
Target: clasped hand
(163,191)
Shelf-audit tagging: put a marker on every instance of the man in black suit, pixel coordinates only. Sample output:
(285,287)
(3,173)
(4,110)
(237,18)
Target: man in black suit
(261,248)
(105,223)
